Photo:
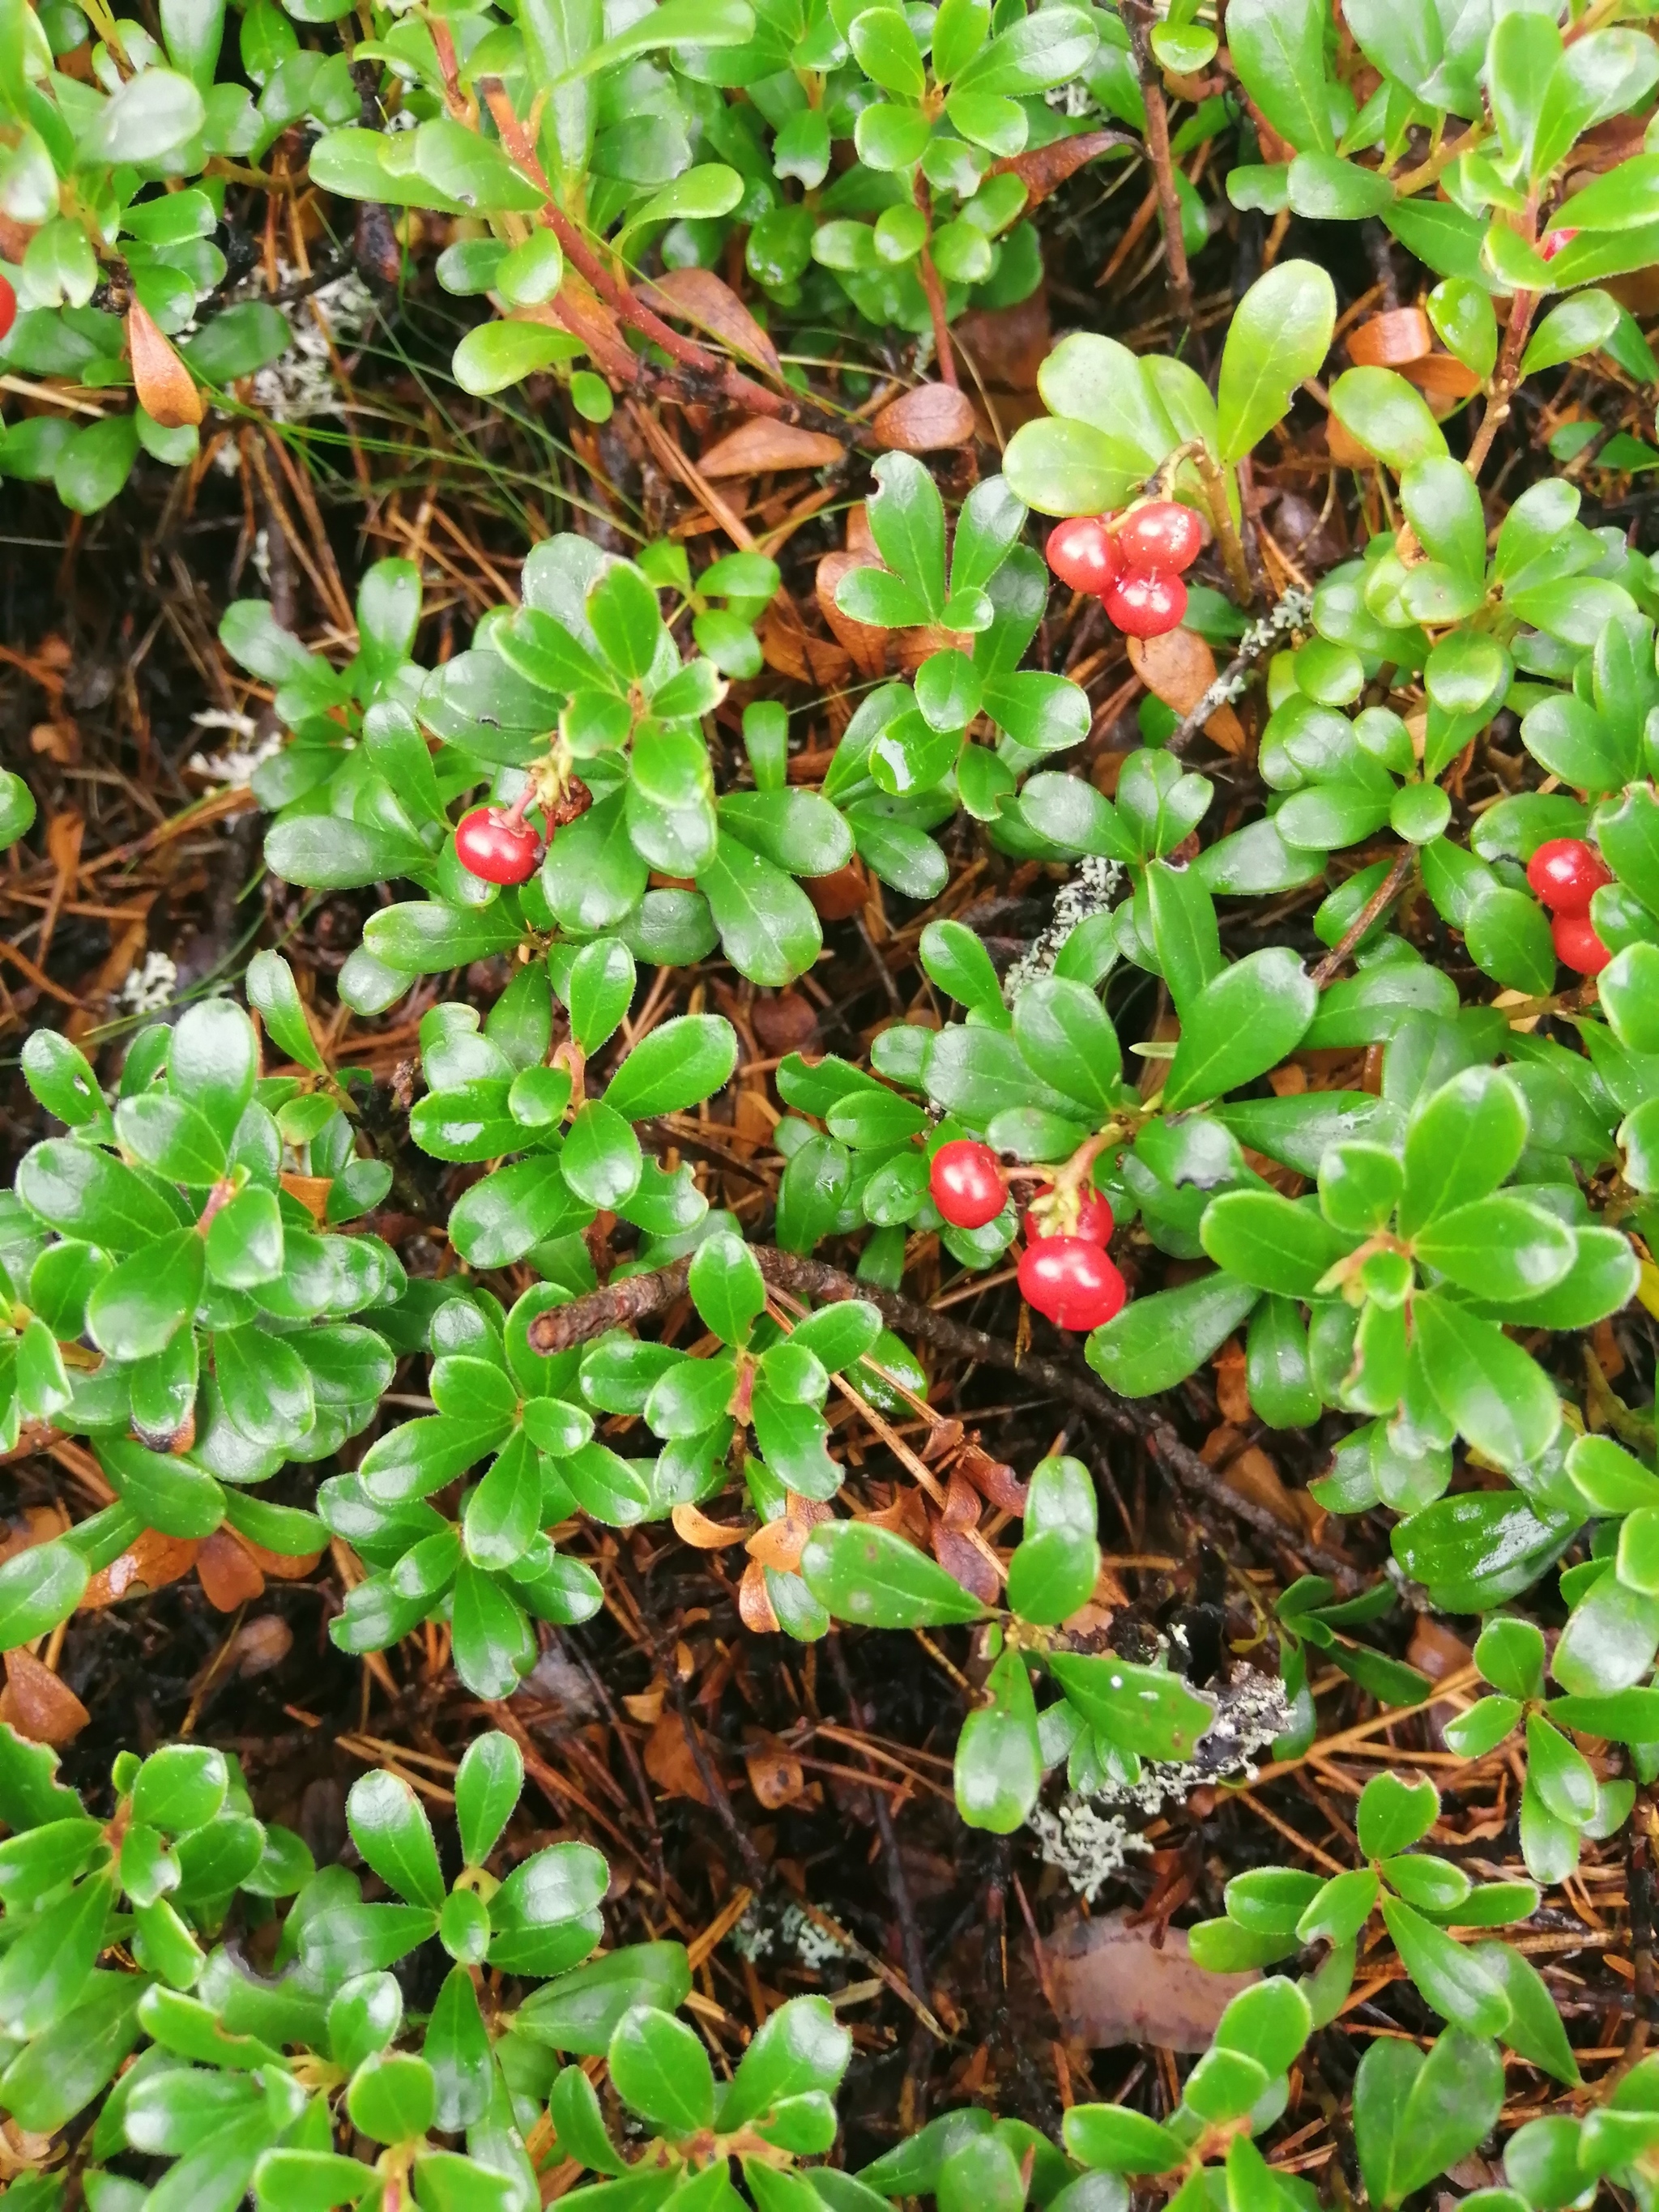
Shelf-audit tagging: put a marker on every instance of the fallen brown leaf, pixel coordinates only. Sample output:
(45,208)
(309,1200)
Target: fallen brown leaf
(777,1776)
(1179,668)
(149,1563)
(760,445)
(925,420)
(1110,1986)
(668,1759)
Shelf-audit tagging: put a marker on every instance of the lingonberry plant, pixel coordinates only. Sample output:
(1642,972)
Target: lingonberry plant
(1252,1063)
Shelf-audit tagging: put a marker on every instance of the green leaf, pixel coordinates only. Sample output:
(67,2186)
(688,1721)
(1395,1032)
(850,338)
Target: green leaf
(1388,416)
(497,355)
(1141,1708)
(392,2098)
(39,1588)
(1448,1977)
(1156,1342)
(391,1830)
(661,2071)
(272,992)
(173,1493)
(1277,48)
(601,1159)
(869,1575)
(1394,1814)
(767,924)
(1500,1398)
(1280,331)
(674,1065)
(1242,1023)
(1463,1141)
(1259,1237)
(727,1288)
(999,1761)
(1500,1246)
(1579,325)
(139,1307)
(907,520)
(1116,2139)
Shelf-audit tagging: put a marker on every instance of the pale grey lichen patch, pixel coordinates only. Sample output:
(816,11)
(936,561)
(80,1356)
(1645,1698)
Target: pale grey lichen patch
(767,1931)
(149,987)
(1250,1710)
(1092,889)
(1088,1847)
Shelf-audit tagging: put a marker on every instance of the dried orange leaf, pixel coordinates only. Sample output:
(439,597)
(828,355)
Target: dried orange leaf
(37,1705)
(708,302)
(1391,339)
(149,1563)
(167,390)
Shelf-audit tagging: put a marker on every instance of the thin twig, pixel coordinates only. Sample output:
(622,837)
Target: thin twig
(1137,21)
(1383,897)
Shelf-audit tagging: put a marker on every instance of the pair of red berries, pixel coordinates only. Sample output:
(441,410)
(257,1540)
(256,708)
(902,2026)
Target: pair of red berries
(1566,874)
(1068,1280)
(490,844)
(1131,562)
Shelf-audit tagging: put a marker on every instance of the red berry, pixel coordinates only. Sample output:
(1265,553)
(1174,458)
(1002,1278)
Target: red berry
(1084,553)
(1552,243)
(7,305)
(500,851)
(1094,1224)
(1566,874)
(1145,603)
(1071,1282)
(966,1182)
(1161,535)
(1576,944)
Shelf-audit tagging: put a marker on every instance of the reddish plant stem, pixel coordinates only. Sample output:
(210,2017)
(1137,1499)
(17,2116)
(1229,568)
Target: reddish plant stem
(618,295)
(1506,376)
(1137,21)
(934,291)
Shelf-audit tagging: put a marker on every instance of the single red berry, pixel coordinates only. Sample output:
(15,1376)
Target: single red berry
(500,851)
(1552,243)
(7,305)
(1161,535)
(1145,603)
(1576,944)
(1071,1282)
(1566,874)
(1094,1224)
(966,1182)
(1084,553)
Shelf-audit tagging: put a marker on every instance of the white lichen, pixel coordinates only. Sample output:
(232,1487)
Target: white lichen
(767,1931)
(1250,1710)
(1092,889)
(1088,1847)
(235,766)
(301,382)
(150,987)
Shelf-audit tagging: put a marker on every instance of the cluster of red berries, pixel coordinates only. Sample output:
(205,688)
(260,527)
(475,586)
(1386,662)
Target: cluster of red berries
(1069,1279)
(491,844)
(7,305)
(1131,562)
(1566,874)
